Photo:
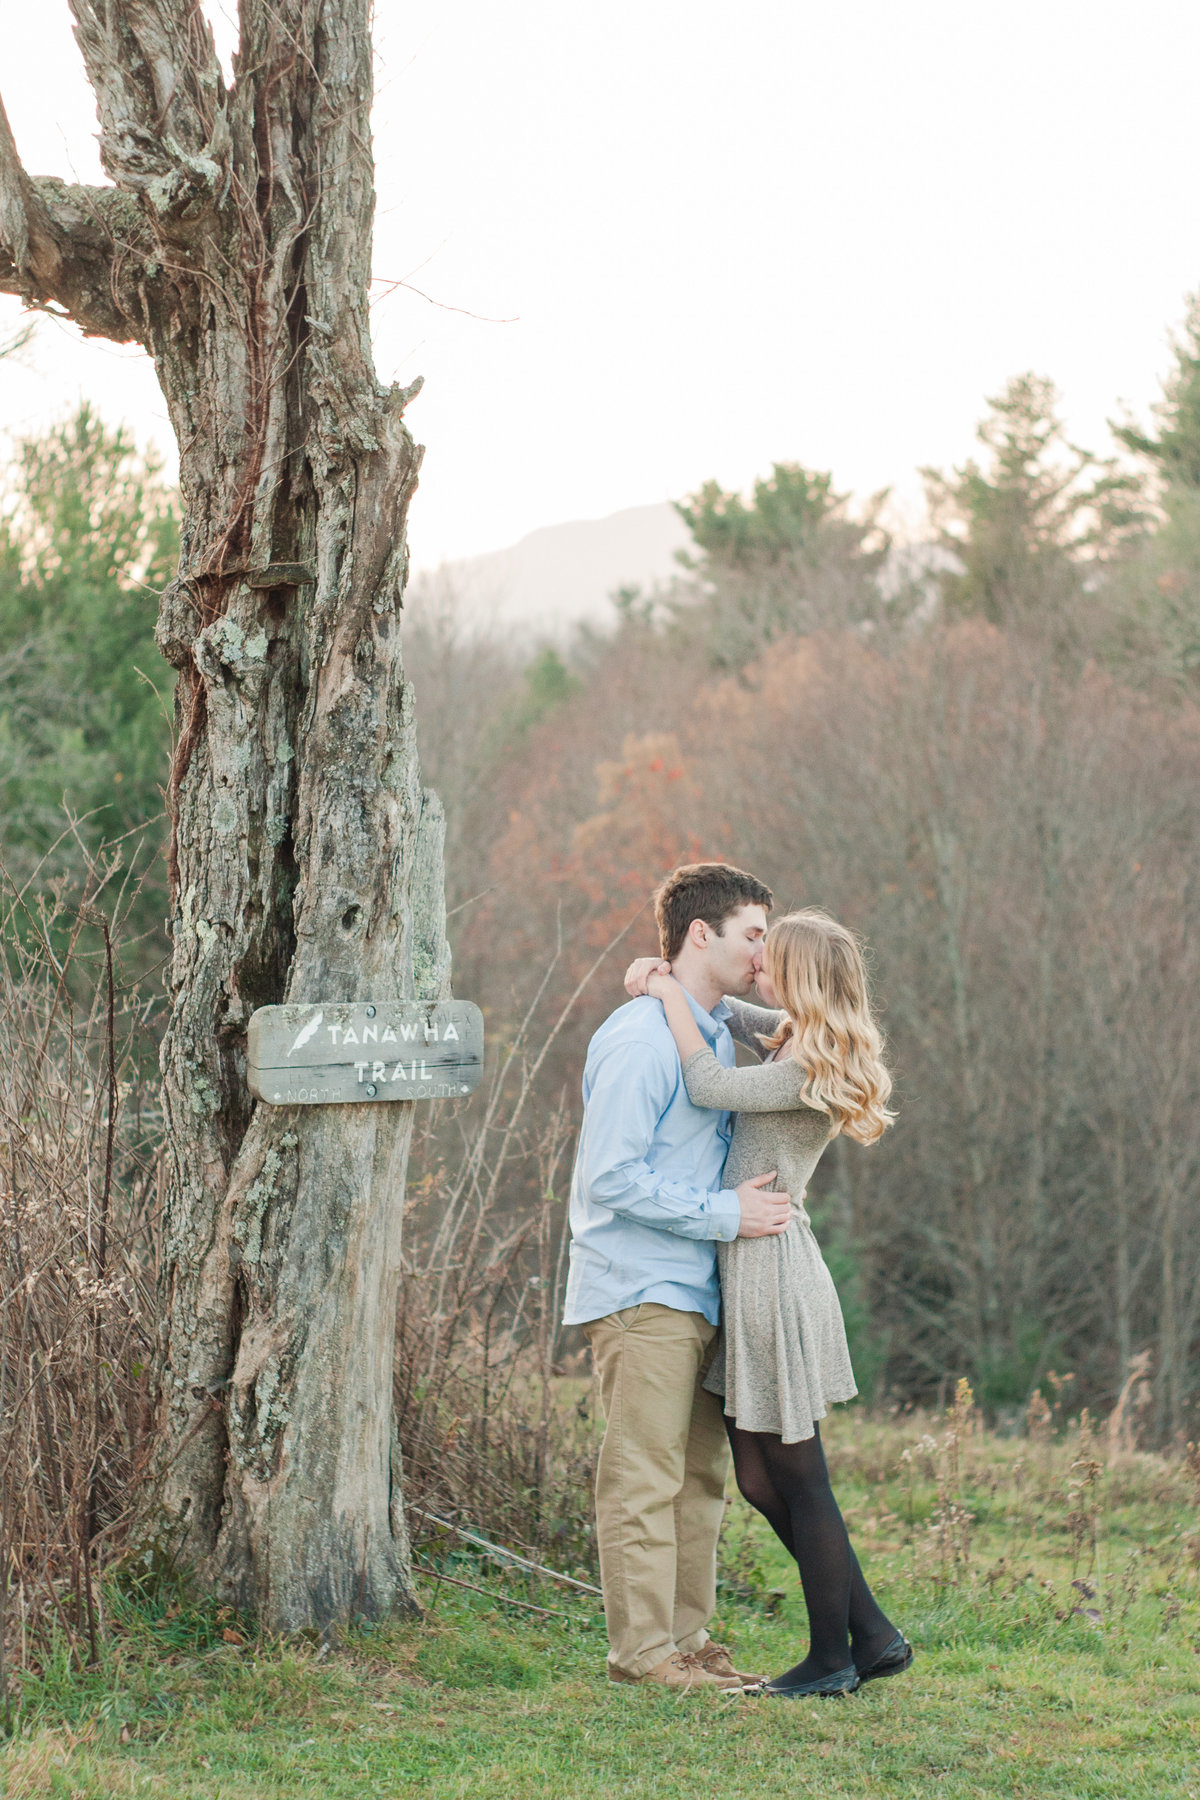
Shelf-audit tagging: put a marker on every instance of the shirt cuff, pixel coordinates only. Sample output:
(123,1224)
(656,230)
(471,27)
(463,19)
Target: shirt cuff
(727,1214)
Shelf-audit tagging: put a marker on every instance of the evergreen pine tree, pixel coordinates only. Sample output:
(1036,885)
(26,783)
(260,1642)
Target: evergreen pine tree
(89,540)
(1029,530)
(1162,588)
(790,561)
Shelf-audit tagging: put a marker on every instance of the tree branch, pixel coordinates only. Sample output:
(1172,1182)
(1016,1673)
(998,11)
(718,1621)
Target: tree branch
(160,96)
(75,247)
(26,230)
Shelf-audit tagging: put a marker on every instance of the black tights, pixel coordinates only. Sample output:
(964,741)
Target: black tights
(789,1485)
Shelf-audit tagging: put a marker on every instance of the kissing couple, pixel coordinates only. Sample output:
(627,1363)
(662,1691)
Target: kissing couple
(713,1321)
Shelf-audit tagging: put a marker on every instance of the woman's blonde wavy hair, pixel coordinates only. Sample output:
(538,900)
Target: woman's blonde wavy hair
(816,968)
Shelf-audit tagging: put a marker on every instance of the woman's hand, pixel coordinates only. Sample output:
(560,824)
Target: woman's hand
(637,975)
(661,985)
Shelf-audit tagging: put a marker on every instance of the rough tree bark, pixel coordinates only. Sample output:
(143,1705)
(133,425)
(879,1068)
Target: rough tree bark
(235,245)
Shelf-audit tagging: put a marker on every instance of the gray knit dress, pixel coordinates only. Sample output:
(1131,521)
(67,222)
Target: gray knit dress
(782,1360)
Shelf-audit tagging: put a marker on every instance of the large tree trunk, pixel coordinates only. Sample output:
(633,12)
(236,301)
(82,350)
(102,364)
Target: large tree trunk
(305,859)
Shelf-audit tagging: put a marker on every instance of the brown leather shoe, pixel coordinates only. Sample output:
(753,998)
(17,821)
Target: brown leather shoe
(682,1673)
(717,1660)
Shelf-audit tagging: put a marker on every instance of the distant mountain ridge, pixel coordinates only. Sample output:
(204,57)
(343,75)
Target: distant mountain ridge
(562,575)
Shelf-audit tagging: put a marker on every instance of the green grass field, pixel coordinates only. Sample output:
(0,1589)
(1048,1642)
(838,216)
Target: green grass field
(1024,1685)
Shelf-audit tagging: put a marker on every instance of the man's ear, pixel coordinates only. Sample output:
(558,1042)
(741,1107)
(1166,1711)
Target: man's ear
(698,933)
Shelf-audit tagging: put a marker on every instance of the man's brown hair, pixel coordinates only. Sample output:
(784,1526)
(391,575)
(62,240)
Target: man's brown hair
(709,891)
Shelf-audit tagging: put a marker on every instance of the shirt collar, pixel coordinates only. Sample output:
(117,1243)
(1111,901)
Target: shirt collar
(710,1023)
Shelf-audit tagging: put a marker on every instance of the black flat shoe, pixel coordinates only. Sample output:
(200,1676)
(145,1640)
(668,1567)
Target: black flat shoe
(895,1659)
(843,1681)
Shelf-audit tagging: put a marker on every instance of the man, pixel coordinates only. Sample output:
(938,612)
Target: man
(647,1210)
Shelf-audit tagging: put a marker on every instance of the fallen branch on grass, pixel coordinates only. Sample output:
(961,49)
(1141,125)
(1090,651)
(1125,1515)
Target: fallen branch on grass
(522,1562)
(547,1612)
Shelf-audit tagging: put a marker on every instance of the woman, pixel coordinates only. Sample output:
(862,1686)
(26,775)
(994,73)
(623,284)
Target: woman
(783,1358)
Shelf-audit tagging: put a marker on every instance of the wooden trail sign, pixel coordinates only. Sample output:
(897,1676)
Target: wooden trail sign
(359,1051)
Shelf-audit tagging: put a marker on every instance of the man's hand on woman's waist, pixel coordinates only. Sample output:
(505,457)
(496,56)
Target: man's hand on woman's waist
(765,1212)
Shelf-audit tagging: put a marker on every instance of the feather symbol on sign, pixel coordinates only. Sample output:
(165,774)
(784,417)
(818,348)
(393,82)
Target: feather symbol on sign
(307,1031)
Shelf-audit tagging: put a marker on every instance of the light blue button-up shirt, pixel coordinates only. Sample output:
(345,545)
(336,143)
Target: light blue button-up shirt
(647,1205)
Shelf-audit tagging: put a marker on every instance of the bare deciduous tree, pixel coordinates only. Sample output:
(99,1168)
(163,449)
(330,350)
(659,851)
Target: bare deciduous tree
(234,243)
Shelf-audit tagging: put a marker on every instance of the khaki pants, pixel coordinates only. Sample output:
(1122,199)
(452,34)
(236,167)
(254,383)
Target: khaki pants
(660,1482)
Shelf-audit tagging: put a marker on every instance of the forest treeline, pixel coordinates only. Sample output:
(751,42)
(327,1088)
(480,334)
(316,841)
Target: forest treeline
(982,752)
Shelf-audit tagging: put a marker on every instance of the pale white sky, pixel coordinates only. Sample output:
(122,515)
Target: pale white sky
(728,234)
